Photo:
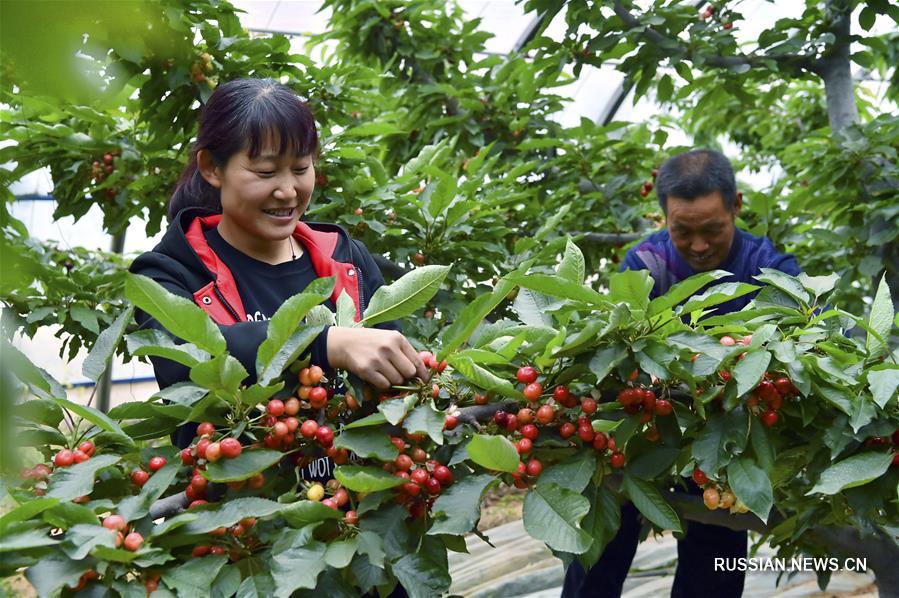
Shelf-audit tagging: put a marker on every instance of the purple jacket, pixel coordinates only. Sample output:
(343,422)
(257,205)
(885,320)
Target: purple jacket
(748,255)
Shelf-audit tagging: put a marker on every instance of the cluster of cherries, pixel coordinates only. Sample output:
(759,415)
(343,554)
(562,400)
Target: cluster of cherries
(716,496)
(101,170)
(199,69)
(39,473)
(424,478)
(770,392)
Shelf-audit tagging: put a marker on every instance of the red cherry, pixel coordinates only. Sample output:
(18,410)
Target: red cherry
(80,456)
(330,502)
(87,447)
(567,430)
(480,399)
(785,387)
(351,518)
(561,394)
(727,341)
(588,405)
(663,407)
(433,486)
(157,463)
(441,366)
(534,467)
(201,448)
(279,430)
(533,391)
(276,407)
(444,475)
(231,447)
(450,422)
(139,477)
(187,457)
(411,488)
(699,477)
(116,522)
(256,481)
(526,374)
(403,462)
(325,436)
(213,452)
(617,460)
(769,418)
(600,441)
(530,431)
(64,458)
(201,550)
(133,541)
(318,395)
(545,414)
(501,418)
(420,476)
(524,446)
(309,428)
(205,429)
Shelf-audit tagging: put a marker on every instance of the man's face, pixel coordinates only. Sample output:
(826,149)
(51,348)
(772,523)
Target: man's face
(702,229)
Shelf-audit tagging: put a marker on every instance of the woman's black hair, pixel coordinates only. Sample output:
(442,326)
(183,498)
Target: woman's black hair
(244,114)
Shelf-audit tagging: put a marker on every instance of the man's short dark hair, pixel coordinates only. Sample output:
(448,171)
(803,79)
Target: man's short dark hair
(694,174)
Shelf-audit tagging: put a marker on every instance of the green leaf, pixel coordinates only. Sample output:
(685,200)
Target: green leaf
(553,515)
(406,295)
(883,384)
(649,501)
(716,295)
(81,539)
(21,367)
(25,535)
(346,310)
(374,129)
(483,378)
(77,480)
(425,419)
(289,352)
(223,373)
(880,320)
(307,512)
(339,554)
(365,479)
(395,410)
(556,286)
(574,474)
(605,360)
(460,505)
(256,394)
(136,507)
(786,283)
(493,452)
(289,317)
(158,343)
(194,577)
(247,464)
(26,511)
(682,290)
(256,586)
(86,317)
(55,571)
(96,417)
(750,484)
(421,576)
(96,361)
(857,470)
(749,371)
(176,314)
(207,518)
(572,267)
(39,411)
(631,287)
(367,442)
(471,317)
(723,437)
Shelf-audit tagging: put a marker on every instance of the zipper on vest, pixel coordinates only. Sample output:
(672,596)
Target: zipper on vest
(224,301)
(361,292)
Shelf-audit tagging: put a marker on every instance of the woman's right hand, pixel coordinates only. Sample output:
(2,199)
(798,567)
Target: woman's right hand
(383,358)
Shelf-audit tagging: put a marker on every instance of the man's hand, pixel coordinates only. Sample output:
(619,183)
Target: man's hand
(383,358)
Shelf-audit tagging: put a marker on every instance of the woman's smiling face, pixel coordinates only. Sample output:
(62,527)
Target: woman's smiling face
(263,197)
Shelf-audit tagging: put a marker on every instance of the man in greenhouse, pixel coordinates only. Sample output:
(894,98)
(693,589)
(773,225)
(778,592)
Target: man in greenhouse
(697,192)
